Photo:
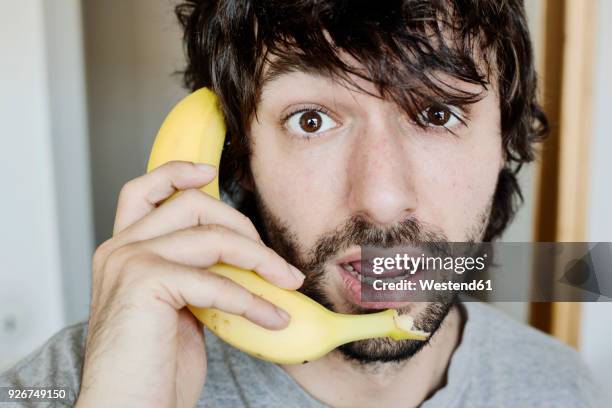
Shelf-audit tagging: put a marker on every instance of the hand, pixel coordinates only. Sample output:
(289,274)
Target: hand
(144,348)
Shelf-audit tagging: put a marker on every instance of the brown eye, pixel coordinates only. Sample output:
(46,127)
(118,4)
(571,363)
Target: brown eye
(438,115)
(310,121)
(441,116)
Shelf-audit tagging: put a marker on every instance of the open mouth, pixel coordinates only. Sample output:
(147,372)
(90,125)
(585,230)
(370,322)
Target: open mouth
(358,279)
(363,269)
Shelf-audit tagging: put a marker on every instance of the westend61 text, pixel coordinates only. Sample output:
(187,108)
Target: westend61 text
(433,285)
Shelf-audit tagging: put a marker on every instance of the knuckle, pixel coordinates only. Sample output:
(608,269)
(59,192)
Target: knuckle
(128,189)
(214,231)
(192,195)
(100,254)
(136,268)
(271,254)
(136,260)
(248,223)
(227,288)
(220,283)
(121,258)
(110,269)
(224,284)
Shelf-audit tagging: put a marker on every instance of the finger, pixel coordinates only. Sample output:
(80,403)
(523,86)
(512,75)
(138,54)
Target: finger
(208,245)
(141,195)
(191,208)
(181,285)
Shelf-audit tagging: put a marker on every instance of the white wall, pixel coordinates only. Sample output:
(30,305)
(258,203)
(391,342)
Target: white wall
(46,237)
(596,334)
(68,110)
(30,295)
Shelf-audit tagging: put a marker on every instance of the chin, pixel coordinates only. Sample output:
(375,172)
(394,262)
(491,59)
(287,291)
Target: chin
(381,350)
(428,317)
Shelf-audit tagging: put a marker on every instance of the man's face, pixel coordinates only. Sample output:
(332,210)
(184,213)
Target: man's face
(335,168)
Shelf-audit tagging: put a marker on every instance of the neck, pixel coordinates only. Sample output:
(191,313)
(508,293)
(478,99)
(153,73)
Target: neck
(340,382)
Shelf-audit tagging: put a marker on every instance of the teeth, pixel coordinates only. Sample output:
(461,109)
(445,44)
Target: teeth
(349,268)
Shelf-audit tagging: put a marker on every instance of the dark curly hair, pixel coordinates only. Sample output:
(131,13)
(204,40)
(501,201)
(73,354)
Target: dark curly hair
(402,46)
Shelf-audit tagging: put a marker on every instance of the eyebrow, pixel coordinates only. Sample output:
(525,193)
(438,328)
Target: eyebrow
(274,72)
(278,69)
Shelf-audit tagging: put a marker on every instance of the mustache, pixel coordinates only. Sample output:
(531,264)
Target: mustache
(358,231)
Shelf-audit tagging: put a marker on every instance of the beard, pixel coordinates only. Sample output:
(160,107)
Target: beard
(357,231)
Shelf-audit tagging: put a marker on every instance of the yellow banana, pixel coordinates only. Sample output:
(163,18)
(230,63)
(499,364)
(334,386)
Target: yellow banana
(195,131)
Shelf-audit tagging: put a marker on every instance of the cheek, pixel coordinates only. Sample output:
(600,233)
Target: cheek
(465,185)
(296,187)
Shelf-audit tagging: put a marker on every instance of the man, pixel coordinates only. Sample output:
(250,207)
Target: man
(349,124)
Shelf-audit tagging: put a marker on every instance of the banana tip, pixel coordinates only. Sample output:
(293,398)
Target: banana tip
(406,323)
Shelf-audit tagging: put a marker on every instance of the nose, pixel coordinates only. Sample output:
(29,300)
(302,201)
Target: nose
(381,172)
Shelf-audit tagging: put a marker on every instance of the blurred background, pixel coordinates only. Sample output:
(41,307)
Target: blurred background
(84,86)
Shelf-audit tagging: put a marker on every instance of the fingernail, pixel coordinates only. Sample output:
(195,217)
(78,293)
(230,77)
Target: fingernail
(206,168)
(284,315)
(297,274)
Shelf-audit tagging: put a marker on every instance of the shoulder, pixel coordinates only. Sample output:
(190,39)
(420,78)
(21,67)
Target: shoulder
(518,360)
(58,362)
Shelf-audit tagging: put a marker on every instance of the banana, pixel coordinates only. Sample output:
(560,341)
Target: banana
(195,131)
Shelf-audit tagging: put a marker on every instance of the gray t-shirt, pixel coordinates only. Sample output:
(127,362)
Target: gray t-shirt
(499,363)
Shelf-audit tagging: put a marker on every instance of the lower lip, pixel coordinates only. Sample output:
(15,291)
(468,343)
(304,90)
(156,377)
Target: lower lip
(353,287)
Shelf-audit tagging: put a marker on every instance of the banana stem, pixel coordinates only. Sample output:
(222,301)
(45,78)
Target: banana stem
(350,328)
